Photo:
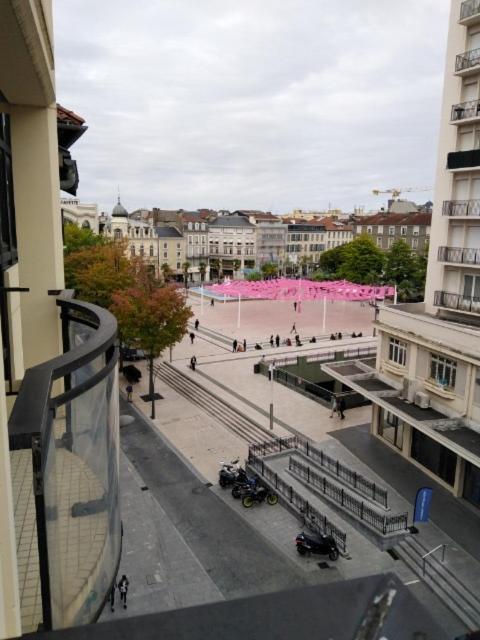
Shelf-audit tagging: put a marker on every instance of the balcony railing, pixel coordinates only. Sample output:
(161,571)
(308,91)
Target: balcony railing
(464,110)
(469,9)
(461,208)
(459,255)
(67,415)
(467,60)
(456,301)
(463,159)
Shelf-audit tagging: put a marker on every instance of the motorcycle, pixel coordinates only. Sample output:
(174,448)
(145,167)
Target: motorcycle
(231,473)
(242,486)
(259,494)
(322,545)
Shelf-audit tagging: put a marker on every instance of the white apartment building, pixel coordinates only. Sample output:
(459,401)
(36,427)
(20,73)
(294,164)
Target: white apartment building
(425,388)
(232,241)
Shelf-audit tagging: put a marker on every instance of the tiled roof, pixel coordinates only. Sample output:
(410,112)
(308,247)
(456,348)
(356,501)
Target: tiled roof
(168,232)
(419,219)
(67,116)
(231,221)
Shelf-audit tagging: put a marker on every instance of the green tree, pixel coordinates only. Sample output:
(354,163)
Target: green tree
(332,259)
(76,238)
(216,264)
(202,267)
(166,271)
(151,320)
(401,263)
(363,261)
(236,265)
(269,269)
(185,267)
(254,276)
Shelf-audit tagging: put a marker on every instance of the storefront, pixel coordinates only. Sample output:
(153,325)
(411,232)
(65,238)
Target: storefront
(471,486)
(435,457)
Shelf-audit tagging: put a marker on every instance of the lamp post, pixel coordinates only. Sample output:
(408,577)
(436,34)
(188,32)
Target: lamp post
(271,369)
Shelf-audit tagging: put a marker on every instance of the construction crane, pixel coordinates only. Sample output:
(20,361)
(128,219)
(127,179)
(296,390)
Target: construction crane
(396,192)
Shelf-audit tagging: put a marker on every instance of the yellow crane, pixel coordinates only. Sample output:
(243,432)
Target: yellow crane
(396,192)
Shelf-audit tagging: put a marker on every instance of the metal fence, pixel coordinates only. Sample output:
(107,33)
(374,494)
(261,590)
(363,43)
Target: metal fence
(323,524)
(380,522)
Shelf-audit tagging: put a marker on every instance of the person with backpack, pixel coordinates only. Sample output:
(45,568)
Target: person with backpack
(341,407)
(123,588)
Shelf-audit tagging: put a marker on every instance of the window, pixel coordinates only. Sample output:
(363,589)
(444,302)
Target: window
(391,428)
(164,245)
(391,231)
(190,226)
(132,249)
(443,370)
(403,231)
(380,229)
(142,250)
(151,250)
(165,254)
(117,234)
(178,254)
(379,241)
(397,351)
(434,456)
(359,228)
(190,239)
(471,287)
(8,236)
(369,230)
(178,265)
(390,242)
(178,245)
(197,226)
(414,243)
(416,231)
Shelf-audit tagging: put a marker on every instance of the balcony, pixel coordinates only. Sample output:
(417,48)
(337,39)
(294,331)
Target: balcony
(63,435)
(465,111)
(463,160)
(470,13)
(467,64)
(461,208)
(459,255)
(457,302)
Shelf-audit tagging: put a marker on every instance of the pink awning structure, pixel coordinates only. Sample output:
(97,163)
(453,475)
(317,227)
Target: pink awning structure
(287,289)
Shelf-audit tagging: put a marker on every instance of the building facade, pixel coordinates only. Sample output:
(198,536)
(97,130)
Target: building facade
(79,213)
(195,230)
(271,237)
(387,228)
(305,243)
(231,242)
(425,388)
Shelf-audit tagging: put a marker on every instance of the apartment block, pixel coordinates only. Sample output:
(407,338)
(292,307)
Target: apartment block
(232,242)
(425,387)
(387,228)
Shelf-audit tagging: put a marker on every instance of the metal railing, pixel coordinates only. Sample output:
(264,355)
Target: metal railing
(324,525)
(381,522)
(467,60)
(456,301)
(72,427)
(424,558)
(459,255)
(358,482)
(461,208)
(463,110)
(469,8)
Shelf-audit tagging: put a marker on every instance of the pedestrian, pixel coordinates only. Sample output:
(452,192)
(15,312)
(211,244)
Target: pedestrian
(212,302)
(270,371)
(294,306)
(359,335)
(193,362)
(234,345)
(354,335)
(123,588)
(332,336)
(258,347)
(293,329)
(271,340)
(334,406)
(129,390)
(197,322)
(112,596)
(340,335)
(277,340)
(289,342)
(192,337)
(341,407)
(244,344)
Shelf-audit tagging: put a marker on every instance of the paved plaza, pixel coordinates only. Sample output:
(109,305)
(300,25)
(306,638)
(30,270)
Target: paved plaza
(179,529)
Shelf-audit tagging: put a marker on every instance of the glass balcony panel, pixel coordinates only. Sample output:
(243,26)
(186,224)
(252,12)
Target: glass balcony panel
(464,110)
(469,9)
(467,60)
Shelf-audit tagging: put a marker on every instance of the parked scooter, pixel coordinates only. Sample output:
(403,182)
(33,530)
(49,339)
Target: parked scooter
(320,544)
(259,494)
(231,473)
(241,486)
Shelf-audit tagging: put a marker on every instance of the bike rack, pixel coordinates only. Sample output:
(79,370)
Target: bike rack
(424,558)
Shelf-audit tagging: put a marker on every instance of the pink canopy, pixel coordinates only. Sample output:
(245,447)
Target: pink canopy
(286,289)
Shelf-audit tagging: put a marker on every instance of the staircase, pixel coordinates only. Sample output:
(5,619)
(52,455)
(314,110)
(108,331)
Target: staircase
(227,416)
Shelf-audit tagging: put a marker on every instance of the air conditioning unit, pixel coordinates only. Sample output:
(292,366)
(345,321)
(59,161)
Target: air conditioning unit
(422,400)
(408,389)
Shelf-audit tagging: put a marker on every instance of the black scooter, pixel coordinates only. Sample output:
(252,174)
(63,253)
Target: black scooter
(242,485)
(231,473)
(320,544)
(259,494)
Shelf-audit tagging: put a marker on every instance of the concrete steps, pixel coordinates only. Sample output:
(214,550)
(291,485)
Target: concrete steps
(460,598)
(228,416)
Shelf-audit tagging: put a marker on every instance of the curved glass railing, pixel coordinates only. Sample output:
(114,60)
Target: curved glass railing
(67,414)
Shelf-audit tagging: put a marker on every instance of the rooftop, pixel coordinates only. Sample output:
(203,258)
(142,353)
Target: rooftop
(231,221)
(168,232)
(405,219)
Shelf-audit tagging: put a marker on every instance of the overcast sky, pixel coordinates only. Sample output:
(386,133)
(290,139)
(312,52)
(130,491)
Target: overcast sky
(265,104)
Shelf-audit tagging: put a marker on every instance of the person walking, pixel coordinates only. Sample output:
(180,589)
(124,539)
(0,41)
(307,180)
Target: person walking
(112,597)
(212,302)
(271,340)
(123,588)
(341,407)
(277,340)
(129,390)
(192,337)
(234,345)
(334,406)
(193,362)
(197,322)
(294,306)
(270,371)
(244,344)
(293,329)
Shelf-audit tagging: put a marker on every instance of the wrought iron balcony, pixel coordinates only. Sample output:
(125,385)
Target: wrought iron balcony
(469,10)
(456,301)
(459,255)
(63,433)
(463,159)
(467,60)
(459,208)
(464,110)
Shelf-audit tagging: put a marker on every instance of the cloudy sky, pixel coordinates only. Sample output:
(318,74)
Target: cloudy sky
(265,104)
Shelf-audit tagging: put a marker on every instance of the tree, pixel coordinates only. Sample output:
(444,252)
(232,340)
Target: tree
(166,271)
(305,262)
(332,259)
(76,238)
(236,265)
(202,267)
(151,320)
(185,267)
(269,269)
(401,263)
(216,264)
(254,276)
(363,261)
